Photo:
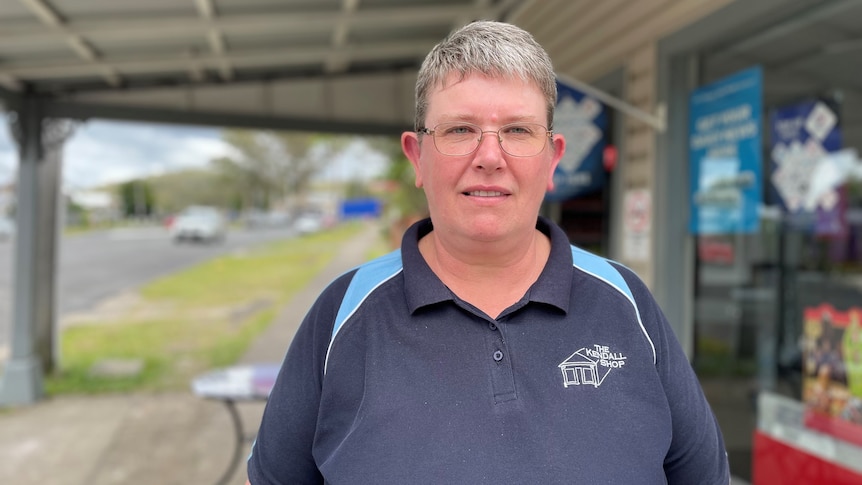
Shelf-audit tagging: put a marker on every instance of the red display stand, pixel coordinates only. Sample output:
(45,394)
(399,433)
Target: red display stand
(786,451)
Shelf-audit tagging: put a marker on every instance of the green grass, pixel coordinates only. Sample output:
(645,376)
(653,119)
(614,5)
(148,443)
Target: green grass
(198,319)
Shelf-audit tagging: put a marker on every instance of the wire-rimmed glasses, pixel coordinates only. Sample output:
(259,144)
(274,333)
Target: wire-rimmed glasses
(458,138)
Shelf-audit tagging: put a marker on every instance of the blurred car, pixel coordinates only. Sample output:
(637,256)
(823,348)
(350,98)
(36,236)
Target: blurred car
(7,228)
(308,223)
(199,223)
(256,219)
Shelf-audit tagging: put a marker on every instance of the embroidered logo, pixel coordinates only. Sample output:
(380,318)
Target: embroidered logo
(590,365)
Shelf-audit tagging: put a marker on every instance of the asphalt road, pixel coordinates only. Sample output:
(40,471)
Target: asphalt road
(98,265)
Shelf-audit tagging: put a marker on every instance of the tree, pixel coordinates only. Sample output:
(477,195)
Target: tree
(405,199)
(405,203)
(137,198)
(195,186)
(271,167)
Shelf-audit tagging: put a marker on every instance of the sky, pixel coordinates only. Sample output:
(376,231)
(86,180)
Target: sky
(101,152)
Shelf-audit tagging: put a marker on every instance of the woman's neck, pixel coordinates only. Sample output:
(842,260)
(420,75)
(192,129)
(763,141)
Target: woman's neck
(490,279)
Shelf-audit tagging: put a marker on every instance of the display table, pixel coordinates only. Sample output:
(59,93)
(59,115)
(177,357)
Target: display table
(786,451)
(229,386)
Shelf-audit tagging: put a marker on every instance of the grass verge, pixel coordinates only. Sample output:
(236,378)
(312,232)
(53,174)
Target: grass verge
(194,320)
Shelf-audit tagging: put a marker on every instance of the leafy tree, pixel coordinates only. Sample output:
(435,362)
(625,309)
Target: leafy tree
(137,198)
(271,166)
(404,199)
(405,203)
(199,186)
(76,214)
(356,189)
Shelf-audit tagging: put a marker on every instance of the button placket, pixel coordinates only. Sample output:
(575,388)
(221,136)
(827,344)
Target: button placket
(499,365)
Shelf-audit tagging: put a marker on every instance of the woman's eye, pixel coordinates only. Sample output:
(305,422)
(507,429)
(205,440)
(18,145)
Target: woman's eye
(518,130)
(460,130)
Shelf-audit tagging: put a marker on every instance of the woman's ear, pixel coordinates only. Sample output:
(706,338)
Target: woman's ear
(411,147)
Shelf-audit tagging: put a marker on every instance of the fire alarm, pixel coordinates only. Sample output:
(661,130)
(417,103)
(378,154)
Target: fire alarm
(609,158)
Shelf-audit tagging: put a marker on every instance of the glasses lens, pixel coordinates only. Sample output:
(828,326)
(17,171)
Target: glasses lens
(456,138)
(516,139)
(523,139)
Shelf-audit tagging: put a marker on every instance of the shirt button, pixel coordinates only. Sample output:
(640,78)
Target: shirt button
(498,356)
(492,326)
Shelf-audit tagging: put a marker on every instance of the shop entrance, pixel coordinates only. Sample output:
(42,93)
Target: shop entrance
(779,310)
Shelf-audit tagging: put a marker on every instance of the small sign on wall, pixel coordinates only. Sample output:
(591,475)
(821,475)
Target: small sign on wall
(637,225)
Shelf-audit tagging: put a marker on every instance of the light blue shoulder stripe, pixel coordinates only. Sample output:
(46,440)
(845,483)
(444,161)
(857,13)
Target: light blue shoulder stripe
(603,270)
(366,279)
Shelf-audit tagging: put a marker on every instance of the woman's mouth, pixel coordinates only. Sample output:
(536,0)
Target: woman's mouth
(484,193)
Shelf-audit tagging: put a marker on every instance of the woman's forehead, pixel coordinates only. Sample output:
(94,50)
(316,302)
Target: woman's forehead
(459,97)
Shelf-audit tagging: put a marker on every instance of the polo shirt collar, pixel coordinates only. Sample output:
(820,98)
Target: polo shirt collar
(422,287)
(554,285)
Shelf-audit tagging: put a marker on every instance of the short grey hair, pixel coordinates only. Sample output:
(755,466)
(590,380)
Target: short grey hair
(490,48)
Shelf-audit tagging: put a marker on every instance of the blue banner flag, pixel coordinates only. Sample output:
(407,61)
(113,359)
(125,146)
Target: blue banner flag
(583,121)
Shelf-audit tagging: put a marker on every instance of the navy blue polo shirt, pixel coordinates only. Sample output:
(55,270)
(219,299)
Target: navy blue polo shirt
(392,379)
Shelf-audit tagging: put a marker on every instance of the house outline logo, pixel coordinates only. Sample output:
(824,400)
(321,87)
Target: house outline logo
(590,365)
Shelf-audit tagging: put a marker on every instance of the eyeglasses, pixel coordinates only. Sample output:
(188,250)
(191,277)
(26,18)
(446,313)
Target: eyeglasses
(517,139)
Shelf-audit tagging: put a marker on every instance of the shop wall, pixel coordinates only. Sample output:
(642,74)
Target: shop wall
(639,154)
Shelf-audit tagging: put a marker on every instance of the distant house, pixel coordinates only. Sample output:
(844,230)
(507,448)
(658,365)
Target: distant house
(100,206)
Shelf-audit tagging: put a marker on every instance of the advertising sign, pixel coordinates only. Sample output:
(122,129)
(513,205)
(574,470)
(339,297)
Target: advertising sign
(582,120)
(802,135)
(360,208)
(832,371)
(724,154)
(637,225)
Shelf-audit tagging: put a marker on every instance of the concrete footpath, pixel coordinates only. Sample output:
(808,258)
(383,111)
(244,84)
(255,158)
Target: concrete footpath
(150,439)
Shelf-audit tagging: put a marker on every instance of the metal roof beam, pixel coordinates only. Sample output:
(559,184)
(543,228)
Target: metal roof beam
(216,41)
(658,120)
(132,28)
(45,13)
(84,111)
(179,62)
(82,48)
